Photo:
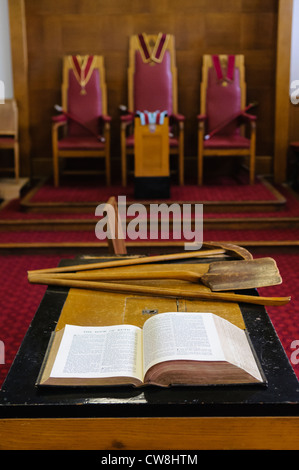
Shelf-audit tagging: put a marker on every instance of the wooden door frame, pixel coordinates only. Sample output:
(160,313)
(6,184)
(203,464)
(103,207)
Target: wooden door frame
(18,39)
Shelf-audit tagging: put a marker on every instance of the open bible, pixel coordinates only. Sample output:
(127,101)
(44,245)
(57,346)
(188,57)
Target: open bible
(172,348)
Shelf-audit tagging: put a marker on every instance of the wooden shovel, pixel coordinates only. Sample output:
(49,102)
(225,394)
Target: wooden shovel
(221,276)
(159,291)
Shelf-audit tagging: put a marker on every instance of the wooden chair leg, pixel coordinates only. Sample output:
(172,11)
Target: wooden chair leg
(17,161)
(200,159)
(252,168)
(108,171)
(252,153)
(55,156)
(181,158)
(107,154)
(123,160)
(107,162)
(55,170)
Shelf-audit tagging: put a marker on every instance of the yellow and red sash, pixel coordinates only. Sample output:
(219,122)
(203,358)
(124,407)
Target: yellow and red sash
(82,67)
(156,53)
(227,76)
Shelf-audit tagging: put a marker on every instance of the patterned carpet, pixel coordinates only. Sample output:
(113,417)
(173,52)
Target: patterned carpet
(19,302)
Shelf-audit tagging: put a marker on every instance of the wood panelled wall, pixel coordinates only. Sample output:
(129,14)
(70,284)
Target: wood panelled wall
(103,27)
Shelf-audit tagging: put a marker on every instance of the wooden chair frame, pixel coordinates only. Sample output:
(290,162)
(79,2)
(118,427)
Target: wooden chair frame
(202,152)
(9,127)
(56,126)
(127,122)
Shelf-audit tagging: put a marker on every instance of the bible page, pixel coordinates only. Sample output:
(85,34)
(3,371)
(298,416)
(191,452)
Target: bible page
(180,336)
(98,352)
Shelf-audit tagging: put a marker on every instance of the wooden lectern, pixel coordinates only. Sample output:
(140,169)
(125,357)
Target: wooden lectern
(152,169)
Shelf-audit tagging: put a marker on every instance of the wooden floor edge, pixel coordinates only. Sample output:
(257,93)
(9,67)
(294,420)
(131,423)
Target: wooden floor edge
(199,433)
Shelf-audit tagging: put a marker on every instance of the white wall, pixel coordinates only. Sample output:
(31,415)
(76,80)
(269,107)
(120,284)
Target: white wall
(5,50)
(294,72)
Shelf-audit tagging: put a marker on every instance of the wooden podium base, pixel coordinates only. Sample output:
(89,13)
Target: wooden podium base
(152,187)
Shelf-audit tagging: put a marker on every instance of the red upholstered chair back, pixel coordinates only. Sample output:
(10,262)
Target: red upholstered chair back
(222,98)
(84,92)
(152,80)
(222,102)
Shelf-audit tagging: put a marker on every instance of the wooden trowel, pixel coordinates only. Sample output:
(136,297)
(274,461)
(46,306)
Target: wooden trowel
(235,275)
(221,276)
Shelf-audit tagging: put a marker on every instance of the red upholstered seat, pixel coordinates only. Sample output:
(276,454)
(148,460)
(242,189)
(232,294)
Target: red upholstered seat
(230,141)
(223,112)
(84,117)
(152,86)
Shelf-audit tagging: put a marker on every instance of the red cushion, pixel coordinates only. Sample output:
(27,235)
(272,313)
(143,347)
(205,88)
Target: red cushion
(295,145)
(220,141)
(73,143)
(4,140)
(153,85)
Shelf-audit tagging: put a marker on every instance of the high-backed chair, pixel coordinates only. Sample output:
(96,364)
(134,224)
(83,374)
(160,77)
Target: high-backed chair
(152,86)
(86,126)
(9,127)
(223,111)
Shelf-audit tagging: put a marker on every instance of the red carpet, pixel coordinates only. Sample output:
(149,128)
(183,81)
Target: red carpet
(221,189)
(13,210)
(19,302)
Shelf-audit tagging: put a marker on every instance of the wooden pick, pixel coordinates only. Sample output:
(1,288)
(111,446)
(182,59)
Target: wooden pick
(131,262)
(159,291)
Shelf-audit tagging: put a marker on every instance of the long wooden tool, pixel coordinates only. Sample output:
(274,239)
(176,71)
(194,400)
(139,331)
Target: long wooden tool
(221,276)
(159,291)
(135,261)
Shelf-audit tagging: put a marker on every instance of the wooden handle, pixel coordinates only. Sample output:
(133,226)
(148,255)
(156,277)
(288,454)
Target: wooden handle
(130,262)
(134,276)
(160,292)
